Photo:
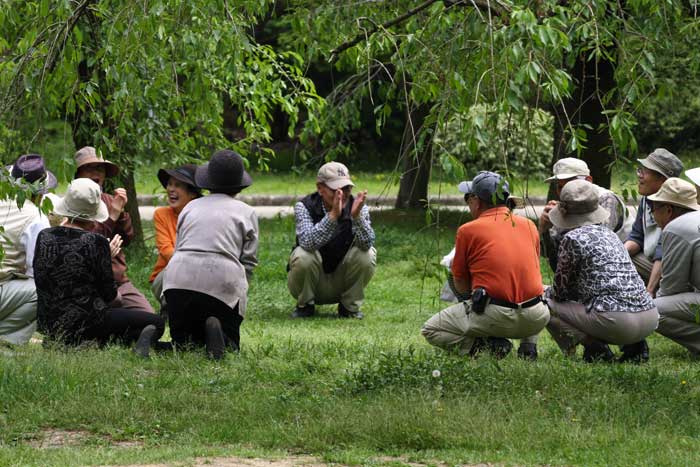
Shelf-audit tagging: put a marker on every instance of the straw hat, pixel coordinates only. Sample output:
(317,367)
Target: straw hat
(82,201)
(578,206)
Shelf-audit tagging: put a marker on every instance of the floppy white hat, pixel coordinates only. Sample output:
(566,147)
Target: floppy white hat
(82,201)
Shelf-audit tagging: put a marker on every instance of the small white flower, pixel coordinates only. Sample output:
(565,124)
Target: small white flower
(436,373)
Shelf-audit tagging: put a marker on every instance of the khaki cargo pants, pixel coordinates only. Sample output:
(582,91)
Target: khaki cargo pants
(308,284)
(456,327)
(678,319)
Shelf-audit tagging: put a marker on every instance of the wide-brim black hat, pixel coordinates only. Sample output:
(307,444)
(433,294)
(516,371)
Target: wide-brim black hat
(224,173)
(184,173)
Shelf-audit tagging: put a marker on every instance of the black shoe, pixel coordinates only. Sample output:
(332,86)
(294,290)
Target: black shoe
(145,341)
(214,338)
(597,352)
(499,346)
(634,353)
(345,313)
(306,311)
(527,351)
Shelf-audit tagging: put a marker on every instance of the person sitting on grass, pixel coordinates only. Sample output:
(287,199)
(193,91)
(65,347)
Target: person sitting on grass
(598,298)
(21,226)
(181,189)
(677,212)
(206,280)
(118,222)
(566,170)
(334,257)
(496,274)
(75,283)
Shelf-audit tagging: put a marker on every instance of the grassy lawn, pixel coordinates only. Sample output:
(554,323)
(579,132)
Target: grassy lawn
(350,392)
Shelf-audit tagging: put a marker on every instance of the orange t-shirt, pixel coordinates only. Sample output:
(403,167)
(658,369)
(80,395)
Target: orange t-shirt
(500,252)
(165,224)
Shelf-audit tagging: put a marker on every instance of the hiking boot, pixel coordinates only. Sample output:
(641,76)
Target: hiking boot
(527,351)
(634,353)
(145,341)
(597,352)
(306,311)
(345,313)
(214,338)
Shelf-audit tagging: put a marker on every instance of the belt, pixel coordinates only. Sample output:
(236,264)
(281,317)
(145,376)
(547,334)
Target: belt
(515,306)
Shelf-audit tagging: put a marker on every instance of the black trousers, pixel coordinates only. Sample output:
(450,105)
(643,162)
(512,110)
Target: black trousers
(124,326)
(188,311)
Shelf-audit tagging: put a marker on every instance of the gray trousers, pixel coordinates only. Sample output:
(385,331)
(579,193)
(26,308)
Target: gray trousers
(643,265)
(456,327)
(308,284)
(571,324)
(157,287)
(17,311)
(679,319)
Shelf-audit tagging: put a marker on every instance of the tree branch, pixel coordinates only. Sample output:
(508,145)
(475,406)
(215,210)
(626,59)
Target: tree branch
(362,36)
(496,9)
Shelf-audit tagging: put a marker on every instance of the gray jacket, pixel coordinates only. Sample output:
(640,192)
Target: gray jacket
(216,249)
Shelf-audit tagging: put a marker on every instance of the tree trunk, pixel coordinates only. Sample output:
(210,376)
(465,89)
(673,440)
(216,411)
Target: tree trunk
(132,207)
(417,160)
(585,108)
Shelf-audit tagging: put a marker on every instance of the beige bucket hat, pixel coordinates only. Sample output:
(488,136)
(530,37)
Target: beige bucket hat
(677,192)
(578,206)
(82,201)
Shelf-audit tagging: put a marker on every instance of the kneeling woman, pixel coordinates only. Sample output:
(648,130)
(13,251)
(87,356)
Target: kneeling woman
(74,281)
(206,280)
(598,298)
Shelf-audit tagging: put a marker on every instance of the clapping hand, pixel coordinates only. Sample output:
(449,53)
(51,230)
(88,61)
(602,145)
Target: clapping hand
(338,204)
(358,203)
(115,245)
(118,203)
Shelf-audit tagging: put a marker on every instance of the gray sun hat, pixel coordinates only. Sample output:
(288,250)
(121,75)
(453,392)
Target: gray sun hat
(664,162)
(578,206)
(485,185)
(82,201)
(676,192)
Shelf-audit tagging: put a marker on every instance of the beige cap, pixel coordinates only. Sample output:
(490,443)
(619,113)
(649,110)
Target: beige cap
(677,192)
(569,167)
(334,175)
(82,201)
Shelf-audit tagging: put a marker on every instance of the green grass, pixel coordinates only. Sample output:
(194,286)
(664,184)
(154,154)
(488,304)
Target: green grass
(350,392)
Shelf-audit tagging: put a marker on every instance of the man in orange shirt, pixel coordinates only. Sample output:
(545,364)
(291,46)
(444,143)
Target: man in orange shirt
(497,266)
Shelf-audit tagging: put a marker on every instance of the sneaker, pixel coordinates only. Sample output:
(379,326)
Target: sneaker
(527,351)
(144,342)
(306,311)
(214,338)
(597,352)
(345,313)
(634,353)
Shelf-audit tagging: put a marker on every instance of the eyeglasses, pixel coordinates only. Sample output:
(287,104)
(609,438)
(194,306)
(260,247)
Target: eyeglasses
(653,207)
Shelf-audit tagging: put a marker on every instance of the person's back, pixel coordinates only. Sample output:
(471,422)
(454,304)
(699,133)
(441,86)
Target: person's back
(14,221)
(501,255)
(682,273)
(74,280)
(596,270)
